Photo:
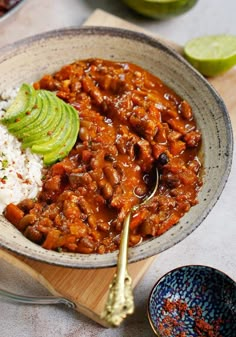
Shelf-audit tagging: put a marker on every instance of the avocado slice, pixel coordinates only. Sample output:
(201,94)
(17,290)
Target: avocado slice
(49,135)
(22,104)
(49,124)
(63,148)
(62,132)
(59,147)
(43,122)
(22,128)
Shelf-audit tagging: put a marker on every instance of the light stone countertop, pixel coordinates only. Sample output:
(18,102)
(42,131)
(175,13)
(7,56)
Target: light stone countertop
(213,243)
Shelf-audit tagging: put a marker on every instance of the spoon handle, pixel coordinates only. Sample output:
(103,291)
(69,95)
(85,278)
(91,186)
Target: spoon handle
(35,299)
(120,301)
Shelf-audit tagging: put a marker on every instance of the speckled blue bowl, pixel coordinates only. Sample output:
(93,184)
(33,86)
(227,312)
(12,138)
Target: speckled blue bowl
(200,289)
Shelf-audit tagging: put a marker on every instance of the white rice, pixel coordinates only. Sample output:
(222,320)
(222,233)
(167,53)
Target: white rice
(20,171)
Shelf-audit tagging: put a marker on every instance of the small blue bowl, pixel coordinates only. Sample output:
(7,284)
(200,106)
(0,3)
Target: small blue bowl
(193,301)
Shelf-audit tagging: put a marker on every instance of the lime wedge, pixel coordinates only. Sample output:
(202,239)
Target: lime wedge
(211,55)
(160,9)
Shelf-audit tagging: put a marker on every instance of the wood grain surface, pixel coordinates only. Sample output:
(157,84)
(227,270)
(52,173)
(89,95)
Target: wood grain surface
(88,288)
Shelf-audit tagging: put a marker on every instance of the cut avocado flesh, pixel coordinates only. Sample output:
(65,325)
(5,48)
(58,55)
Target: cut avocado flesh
(51,115)
(47,128)
(45,136)
(34,121)
(28,122)
(43,122)
(49,138)
(62,133)
(63,149)
(22,104)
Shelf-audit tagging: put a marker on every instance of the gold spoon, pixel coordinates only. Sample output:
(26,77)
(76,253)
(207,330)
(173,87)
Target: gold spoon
(120,300)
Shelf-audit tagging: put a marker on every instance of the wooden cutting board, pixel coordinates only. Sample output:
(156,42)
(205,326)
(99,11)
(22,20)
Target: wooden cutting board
(88,288)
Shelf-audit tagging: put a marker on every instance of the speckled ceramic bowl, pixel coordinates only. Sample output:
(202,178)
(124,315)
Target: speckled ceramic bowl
(28,60)
(191,300)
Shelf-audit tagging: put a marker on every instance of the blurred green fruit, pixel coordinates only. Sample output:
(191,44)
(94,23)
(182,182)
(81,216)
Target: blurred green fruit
(160,9)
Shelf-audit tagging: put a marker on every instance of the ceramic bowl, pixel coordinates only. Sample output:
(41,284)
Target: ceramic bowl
(29,59)
(191,300)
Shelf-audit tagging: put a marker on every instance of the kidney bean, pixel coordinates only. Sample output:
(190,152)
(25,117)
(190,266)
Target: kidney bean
(140,190)
(107,191)
(103,226)
(92,221)
(85,206)
(185,110)
(84,134)
(28,219)
(112,175)
(26,205)
(134,239)
(33,234)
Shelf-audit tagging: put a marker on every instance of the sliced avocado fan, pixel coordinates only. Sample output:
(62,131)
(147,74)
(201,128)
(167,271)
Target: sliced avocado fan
(42,122)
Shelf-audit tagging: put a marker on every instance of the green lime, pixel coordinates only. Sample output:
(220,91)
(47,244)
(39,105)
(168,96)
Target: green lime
(211,55)
(160,9)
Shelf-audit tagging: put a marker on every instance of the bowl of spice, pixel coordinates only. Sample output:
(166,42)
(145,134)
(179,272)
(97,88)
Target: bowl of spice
(194,300)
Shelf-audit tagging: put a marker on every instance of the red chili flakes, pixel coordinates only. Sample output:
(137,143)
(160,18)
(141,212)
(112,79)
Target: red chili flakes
(174,325)
(27,181)
(178,305)
(3,180)
(19,175)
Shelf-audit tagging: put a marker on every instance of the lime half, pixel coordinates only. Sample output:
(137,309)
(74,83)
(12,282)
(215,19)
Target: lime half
(212,55)
(160,9)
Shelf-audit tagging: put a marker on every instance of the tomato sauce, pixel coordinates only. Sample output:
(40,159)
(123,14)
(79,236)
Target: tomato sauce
(130,124)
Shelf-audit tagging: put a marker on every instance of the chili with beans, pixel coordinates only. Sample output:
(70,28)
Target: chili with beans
(131,122)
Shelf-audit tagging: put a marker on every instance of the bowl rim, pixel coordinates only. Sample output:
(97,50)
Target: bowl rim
(155,43)
(182,267)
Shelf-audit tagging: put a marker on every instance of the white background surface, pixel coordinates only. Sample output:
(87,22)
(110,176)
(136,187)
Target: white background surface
(213,243)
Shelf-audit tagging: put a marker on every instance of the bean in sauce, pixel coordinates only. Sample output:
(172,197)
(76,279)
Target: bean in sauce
(131,122)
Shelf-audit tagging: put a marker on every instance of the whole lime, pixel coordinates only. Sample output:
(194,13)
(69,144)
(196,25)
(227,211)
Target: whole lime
(160,9)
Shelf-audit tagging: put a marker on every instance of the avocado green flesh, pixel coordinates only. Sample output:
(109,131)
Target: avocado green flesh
(21,128)
(32,121)
(47,128)
(43,122)
(46,136)
(22,104)
(53,112)
(51,117)
(63,151)
(62,133)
